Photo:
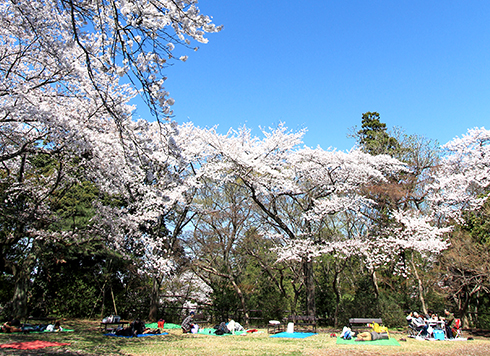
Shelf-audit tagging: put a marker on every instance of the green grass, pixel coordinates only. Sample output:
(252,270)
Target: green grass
(88,340)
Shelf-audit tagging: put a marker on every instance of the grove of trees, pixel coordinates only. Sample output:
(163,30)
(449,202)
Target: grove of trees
(101,213)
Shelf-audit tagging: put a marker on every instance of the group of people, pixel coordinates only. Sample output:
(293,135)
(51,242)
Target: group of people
(377,333)
(14,326)
(422,322)
(188,326)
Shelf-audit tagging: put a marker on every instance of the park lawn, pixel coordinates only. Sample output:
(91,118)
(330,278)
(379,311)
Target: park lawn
(88,340)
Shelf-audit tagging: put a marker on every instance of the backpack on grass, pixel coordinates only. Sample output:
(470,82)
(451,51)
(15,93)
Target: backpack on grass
(222,329)
(138,327)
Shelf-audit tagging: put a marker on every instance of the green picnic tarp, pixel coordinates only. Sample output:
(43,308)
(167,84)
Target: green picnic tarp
(165,326)
(389,342)
(212,331)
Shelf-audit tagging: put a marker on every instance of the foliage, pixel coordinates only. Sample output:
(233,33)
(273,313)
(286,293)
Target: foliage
(225,300)
(94,203)
(465,270)
(373,137)
(477,224)
(391,311)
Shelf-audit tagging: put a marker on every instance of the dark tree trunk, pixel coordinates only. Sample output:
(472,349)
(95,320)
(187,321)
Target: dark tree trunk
(154,301)
(335,287)
(242,300)
(420,286)
(19,299)
(309,287)
(102,310)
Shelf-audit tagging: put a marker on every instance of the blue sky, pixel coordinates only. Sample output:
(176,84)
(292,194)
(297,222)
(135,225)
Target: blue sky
(318,64)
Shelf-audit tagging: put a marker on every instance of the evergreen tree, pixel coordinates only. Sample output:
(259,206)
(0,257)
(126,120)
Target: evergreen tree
(373,137)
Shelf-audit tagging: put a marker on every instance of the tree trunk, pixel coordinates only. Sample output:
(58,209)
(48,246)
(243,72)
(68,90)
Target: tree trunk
(420,286)
(154,300)
(102,310)
(296,294)
(242,300)
(19,299)
(335,287)
(309,287)
(374,278)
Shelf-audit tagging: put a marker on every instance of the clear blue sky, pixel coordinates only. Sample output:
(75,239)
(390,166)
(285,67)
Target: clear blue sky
(319,64)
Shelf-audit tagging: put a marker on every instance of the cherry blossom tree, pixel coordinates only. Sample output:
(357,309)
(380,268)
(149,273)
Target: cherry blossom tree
(294,188)
(153,177)
(63,69)
(459,194)
(463,178)
(223,218)
(403,195)
(432,196)
(187,290)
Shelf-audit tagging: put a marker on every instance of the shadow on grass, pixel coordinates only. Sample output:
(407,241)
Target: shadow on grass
(86,340)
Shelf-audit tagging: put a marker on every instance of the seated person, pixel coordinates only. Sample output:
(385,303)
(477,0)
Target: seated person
(234,326)
(187,324)
(372,336)
(419,322)
(231,325)
(434,317)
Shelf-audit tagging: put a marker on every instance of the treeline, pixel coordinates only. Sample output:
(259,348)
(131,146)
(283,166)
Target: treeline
(102,214)
(182,218)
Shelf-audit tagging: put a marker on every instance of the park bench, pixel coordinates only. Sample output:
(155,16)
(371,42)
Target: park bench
(275,327)
(200,319)
(363,323)
(44,319)
(302,322)
(113,326)
(254,316)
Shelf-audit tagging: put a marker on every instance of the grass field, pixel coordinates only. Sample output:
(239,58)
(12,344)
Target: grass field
(88,340)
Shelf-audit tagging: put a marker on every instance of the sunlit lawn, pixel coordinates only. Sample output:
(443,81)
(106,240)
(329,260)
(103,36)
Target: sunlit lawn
(88,340)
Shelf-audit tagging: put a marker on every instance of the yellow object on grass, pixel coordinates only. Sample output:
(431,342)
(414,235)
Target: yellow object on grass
(379,329)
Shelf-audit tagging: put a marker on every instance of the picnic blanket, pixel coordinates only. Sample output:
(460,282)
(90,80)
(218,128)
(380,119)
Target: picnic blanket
(165,326)
(31,345)
(212,331)
(386,342)
(43,332)
(420,338)
(293,335)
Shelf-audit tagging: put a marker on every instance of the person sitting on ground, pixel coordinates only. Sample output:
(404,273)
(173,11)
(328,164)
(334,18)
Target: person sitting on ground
(222,329)
(231,325)
(372,336)
(12,326)
(187,324)
(234,326)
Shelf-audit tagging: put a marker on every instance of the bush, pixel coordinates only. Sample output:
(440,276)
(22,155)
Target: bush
(391,313)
